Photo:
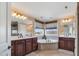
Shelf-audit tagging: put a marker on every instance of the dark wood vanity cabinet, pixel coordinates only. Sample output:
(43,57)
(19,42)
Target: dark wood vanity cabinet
(66,43)
(23,46)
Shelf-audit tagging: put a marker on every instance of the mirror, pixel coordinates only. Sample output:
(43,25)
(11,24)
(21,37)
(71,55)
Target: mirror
(14,28)
(67,28)
(20,26)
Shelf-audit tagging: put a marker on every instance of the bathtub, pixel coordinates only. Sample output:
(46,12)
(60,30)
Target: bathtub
(49,44)
(47,41)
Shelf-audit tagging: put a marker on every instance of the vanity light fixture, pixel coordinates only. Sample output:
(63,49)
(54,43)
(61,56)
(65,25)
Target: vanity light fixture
(66,20)
(22,17)
(69,20)
(18,15)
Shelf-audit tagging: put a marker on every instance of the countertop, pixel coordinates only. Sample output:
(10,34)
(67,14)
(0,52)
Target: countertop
(67,36)
(16,38)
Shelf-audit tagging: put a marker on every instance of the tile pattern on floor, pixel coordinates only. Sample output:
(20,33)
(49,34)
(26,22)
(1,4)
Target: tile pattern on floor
(51,53)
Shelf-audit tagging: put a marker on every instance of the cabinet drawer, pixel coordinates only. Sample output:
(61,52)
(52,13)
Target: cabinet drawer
(28,40)
(19,42)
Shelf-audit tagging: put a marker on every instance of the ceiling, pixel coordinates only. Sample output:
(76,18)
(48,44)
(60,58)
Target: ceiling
(46,11)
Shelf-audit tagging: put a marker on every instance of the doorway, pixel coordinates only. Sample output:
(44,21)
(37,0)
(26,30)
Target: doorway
(5,45)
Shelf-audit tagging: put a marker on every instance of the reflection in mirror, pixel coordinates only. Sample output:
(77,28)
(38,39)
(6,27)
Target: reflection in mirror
(14,28)
(23,27)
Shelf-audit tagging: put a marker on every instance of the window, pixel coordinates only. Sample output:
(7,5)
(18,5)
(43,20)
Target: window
(39,31)
(51,29)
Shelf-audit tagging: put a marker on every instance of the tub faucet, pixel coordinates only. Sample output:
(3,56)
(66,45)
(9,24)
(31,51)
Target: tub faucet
(44,37)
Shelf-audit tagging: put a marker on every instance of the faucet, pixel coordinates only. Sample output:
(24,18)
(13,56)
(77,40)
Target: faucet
(20,35)
(44,37)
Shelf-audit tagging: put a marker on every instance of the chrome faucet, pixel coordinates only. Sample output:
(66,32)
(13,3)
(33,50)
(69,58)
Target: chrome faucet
(20,35)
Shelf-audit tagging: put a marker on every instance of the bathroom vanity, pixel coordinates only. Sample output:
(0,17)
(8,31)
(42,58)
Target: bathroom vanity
(23,46)
(67,43)
(67,34)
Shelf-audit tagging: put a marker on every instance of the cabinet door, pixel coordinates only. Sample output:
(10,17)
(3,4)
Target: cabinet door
(28,46)
(66,43)
(12,48)
(71,45)
(61,44)
(20,48)
(34,46)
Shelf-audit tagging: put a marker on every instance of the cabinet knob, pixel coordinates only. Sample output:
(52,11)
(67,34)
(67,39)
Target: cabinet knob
(9,47)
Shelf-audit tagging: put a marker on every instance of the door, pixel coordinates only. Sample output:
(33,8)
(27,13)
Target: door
(4,32)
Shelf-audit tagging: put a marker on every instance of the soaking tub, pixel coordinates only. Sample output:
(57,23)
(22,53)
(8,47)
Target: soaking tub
(47,41)
(49,44)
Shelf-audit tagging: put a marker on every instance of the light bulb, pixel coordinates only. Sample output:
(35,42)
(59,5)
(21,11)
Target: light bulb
(25,17)
(66,20)
(13,14)
(63,21)
(22,17)
(69,20)
(17,16)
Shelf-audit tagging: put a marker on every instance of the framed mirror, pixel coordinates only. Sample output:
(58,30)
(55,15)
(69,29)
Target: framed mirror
(14,28)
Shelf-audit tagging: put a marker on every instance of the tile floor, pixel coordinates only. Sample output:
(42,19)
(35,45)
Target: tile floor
(51,53)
